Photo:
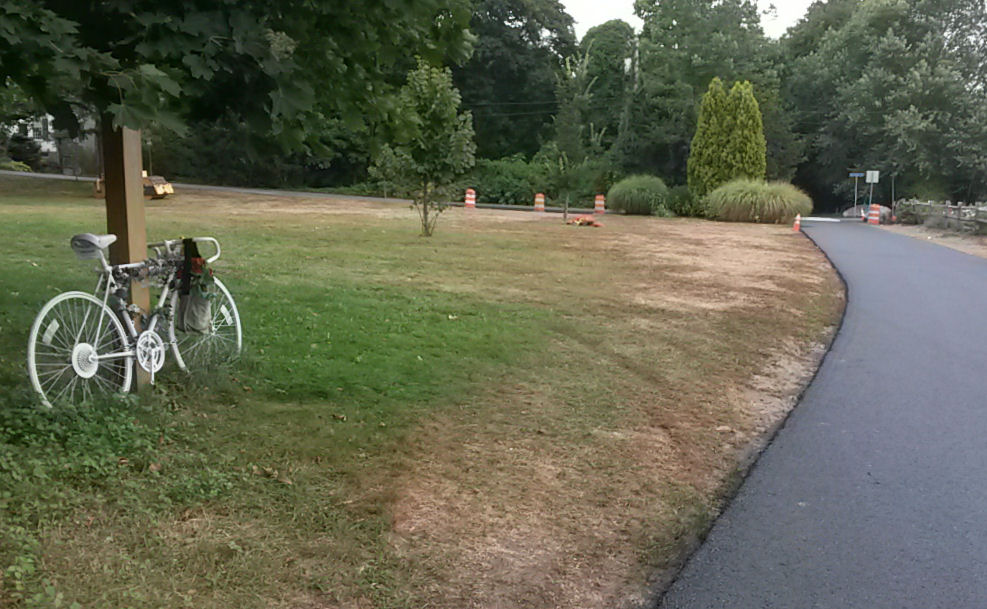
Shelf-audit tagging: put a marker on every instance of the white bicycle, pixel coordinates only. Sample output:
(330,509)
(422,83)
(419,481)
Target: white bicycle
(82,345)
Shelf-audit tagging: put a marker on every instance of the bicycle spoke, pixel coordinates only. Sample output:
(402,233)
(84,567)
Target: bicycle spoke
(60,337)
(64,389)
(66,323)
(68,318)
(48,373)
(51,378)
(105,338)
(76,383)
(62,352)
(104,385)
(83,318)
(61,333)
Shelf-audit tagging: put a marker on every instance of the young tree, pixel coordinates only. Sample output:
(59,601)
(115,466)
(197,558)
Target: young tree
(434,144)
(573,89)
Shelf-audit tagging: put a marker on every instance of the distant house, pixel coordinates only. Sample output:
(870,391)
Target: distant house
(39,129)
(59,152)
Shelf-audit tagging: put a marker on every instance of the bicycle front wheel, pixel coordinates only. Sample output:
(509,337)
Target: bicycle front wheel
(220,344)
(77,350)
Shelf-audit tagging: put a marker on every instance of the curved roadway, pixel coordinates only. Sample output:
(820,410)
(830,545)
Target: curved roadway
(874,493)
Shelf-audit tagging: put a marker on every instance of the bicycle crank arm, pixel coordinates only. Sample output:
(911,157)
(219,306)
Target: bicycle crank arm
(121,355)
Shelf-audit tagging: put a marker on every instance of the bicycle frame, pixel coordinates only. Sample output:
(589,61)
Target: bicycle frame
(108,285)
(168,250)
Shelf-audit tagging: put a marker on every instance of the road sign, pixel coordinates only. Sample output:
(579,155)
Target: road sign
(873,177)
(857,174)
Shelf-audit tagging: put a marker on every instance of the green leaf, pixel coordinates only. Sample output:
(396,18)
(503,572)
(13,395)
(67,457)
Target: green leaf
(171,122)
(198,67)
(130,116)
(162,80)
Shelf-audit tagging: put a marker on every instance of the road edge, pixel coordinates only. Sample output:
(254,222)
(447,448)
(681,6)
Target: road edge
(664,580)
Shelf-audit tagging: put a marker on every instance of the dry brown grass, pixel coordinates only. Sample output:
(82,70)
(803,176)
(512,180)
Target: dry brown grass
(581,480)
(680,344)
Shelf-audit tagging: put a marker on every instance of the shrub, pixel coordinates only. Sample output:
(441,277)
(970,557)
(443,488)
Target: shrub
(909,212)
(24,149)
(510,180)
(682,203)
(641,194)
(8,165)
(554,174)
(755,201)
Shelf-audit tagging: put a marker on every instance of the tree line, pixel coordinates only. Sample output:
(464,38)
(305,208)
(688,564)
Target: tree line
(309,94)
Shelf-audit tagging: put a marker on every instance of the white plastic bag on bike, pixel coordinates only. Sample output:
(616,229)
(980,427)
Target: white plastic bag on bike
(194,312)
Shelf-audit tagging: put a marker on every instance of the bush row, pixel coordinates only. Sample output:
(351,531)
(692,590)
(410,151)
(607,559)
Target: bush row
(515,181)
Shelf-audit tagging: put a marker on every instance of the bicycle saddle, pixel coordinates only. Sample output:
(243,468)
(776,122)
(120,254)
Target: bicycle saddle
(88,246)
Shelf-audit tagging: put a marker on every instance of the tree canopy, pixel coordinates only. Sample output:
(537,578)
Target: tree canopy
(509,82)
(270,65)
(609,49)
(306,92)
(896,86)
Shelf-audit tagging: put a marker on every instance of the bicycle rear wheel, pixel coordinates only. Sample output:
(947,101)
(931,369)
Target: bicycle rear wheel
(77,350)
(220,344)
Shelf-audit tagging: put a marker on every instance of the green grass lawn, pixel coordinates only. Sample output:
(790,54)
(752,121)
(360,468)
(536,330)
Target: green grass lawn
(378,367)
(335,371)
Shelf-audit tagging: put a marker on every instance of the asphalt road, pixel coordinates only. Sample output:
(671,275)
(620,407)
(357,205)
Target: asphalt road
(874,493)
(305,194)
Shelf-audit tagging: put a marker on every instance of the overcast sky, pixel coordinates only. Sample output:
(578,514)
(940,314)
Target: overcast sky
(588,13)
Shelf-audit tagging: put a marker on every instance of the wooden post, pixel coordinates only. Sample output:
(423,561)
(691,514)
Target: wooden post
(125,206)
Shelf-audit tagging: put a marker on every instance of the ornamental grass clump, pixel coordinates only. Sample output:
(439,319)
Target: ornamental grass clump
(641,195)
(755,201)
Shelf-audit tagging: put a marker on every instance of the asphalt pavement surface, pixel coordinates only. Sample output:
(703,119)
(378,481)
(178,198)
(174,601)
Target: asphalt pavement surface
(874,493)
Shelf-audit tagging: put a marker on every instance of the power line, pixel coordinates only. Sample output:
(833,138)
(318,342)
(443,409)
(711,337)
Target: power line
(504,114)
(519,103)
(485,114)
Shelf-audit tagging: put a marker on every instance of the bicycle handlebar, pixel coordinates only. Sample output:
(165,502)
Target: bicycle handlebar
(171,246)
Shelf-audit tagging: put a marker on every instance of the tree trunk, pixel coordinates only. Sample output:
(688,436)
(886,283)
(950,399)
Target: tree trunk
(426,228)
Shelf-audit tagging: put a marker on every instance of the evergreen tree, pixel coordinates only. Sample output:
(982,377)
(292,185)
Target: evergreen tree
(744,154)
(706,168)
(729,141)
